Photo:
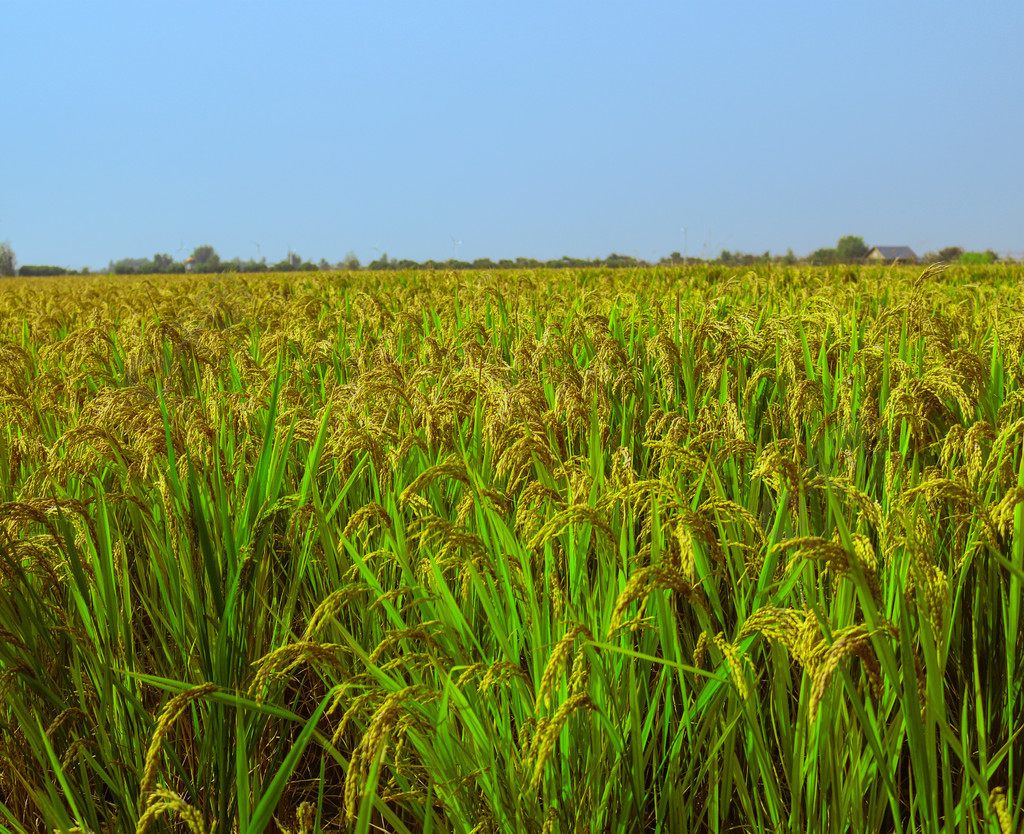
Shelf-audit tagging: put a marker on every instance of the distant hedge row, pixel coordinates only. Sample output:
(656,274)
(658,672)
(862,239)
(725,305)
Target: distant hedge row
(36,271)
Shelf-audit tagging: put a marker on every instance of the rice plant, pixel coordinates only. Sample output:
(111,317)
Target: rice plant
(672,549)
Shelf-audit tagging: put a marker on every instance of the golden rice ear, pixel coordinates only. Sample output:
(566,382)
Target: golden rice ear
(850,641)
(700,650)
(646,580)
(926,276)
(282,660)
(1000,809)
(568,518)
(501,672)
(1005,510)
(172,710)
(544,743)
(163,802)
(778,624)
(687,553)
(735,659)
(329,608)
(556,665)
(390,718)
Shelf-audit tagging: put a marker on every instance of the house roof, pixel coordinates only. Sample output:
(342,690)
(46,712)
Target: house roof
(894,253)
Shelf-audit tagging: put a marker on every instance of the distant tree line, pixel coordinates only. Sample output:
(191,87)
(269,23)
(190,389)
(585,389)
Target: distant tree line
(956,255)
(204,259)
(36,271)
(850,249)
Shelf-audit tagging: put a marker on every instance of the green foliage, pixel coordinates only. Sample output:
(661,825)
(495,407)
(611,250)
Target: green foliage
(130,266)
(743,258)
(851,249)
(30,271)
(533,263)
(613,260)
(206,259)
(988,257)
(823,257)
(158,264)
(380,263)
(294,263)
(8,261)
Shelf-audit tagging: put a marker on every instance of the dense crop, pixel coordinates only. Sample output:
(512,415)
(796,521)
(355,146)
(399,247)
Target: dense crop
(649,550)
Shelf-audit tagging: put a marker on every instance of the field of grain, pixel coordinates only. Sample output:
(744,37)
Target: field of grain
(580,550)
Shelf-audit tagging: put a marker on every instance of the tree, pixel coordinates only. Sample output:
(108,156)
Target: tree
(131,266)
(617,260)
(988,257)
(822,256)
(206,259)
(951,254)
(254,266)
(8,263)
(351,262)
(851,248)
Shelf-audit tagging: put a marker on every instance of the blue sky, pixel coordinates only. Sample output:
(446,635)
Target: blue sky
(427,130)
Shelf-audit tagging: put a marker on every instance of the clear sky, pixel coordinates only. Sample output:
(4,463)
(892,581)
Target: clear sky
(482,129)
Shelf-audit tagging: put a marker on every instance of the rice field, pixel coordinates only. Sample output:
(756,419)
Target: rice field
(646,550)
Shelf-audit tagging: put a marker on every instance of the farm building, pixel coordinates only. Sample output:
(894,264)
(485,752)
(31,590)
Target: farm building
(891,254)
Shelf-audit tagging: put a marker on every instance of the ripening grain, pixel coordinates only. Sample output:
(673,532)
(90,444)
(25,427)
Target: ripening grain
(645,550)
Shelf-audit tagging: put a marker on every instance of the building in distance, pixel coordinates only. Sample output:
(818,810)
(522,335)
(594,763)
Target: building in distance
(891,254)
